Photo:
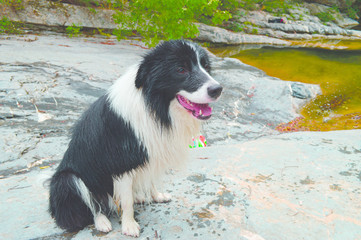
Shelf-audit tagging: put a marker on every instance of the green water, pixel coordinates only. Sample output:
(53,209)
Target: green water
(338,72)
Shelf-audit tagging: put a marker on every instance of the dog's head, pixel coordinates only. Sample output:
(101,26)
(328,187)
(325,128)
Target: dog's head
(178,70)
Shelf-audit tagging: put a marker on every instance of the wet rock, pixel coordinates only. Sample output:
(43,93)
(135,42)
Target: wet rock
(252,103)
(301,91)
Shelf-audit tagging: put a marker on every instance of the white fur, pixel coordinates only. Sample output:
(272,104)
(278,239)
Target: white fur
(201,95)
(165,148)
(101,222)
(85,195)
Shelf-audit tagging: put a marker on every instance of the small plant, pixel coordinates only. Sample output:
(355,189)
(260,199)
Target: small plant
(326,16)
(9,27)
(254,31)
(235,27)
(251,5)
(73,30)
(16,4)
(277,7)
(101,32)
(352,8)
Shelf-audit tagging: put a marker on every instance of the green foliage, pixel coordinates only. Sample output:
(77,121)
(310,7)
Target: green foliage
(326,16)
(236,27)
(230,5)
(352,9)
(157,20)
(16,4)
(101,32)
(73,30)
(9,27)
(277,7)
(251,5)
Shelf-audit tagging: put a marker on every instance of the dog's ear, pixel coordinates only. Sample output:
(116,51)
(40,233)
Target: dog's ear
(141,76)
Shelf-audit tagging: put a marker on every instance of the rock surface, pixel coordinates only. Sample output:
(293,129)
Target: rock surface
(55,14)
(223,36)
(252,183)
(303,25)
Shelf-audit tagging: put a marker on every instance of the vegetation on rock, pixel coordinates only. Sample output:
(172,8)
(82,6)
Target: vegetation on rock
(157,20)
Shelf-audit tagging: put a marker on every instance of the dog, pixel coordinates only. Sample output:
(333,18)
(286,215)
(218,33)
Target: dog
(140,128)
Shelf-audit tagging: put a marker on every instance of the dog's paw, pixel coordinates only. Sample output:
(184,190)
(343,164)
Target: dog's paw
(162,197)
(130,228)
(102,223)
(140,200)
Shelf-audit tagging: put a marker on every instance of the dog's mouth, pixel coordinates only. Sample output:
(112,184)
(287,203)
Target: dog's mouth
(198,110)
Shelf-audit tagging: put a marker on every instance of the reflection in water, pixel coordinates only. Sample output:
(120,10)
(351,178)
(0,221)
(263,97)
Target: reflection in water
(338,72)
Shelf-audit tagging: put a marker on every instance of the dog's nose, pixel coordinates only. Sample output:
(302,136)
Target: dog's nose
(215,90)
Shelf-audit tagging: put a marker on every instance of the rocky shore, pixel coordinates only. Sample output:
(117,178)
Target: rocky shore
(299,24)
(252,182)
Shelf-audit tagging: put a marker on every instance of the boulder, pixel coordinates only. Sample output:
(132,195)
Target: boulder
(346,22)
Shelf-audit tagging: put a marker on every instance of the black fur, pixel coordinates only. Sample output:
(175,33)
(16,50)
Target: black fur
(103,145)
(66,206)
(160,78)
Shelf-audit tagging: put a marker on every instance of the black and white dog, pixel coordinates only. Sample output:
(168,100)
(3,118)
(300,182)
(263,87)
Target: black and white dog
(131,135)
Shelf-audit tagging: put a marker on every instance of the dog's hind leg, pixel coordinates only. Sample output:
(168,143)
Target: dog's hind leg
(66,205)
(123,191)
(101,222)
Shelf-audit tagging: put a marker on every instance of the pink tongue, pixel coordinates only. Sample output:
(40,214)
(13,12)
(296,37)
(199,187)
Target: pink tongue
(198,110)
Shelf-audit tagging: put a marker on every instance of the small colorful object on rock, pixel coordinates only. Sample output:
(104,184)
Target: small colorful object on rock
(199,141)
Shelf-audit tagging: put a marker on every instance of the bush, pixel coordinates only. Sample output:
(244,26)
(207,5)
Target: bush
(277,7)
(16,4)
(326,16)
(157,20)
(73,30)
(9,27)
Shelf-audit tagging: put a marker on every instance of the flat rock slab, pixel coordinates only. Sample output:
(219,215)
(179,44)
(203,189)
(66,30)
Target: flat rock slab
(252,183)
(292,186)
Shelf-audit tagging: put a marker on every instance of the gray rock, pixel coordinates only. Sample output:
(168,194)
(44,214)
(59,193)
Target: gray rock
(220,35)
(346,22)
(304,27)
(52,13)
(331,3)
(253,183)
(300,90)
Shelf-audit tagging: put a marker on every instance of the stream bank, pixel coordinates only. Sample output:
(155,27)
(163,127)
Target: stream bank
(300,23)
(250,183)
(337,72)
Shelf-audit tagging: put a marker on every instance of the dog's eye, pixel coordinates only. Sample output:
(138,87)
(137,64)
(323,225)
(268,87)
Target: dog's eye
(205,64)
(181,70)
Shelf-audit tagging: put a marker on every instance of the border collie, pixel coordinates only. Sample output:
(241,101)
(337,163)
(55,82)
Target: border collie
(134,133)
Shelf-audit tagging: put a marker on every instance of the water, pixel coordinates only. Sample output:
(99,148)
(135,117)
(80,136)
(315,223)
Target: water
(338,72)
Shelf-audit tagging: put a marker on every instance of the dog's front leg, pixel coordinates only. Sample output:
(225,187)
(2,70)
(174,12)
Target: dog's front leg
(159,197)
(129,226)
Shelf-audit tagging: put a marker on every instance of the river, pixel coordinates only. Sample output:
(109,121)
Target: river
(334,65)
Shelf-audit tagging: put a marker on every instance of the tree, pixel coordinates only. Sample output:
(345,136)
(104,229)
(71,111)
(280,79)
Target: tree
(157,20)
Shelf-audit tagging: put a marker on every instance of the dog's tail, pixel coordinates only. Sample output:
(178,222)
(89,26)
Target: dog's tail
(69,202)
